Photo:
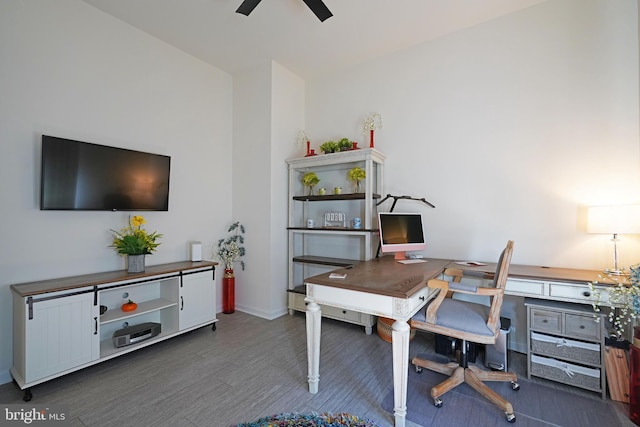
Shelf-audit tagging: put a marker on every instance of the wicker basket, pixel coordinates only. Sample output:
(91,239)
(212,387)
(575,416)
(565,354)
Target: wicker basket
(566,372)
(566,348)
(385,327)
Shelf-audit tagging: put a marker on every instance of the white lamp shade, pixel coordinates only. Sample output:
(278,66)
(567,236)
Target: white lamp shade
(620,219)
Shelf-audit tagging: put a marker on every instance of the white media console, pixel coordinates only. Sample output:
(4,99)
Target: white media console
(58,327)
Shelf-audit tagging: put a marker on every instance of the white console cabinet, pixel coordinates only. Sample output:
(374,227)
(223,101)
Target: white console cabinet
(58,327)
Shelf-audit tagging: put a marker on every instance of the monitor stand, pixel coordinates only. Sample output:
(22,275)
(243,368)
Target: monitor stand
(400,256)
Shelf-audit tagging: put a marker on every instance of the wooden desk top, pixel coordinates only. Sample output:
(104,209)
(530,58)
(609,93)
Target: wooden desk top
(536,272)
(75,282)
(384,276)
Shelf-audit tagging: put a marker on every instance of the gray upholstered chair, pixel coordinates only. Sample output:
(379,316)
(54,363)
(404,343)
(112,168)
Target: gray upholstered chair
(467,321)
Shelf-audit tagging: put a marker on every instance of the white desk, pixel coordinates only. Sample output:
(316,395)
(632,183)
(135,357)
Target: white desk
(381,287)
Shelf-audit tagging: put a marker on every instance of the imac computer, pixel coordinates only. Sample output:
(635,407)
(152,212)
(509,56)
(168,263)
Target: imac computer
(401,233)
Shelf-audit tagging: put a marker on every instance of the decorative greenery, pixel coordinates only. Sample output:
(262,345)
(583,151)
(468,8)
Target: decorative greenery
(345,144)
(310,179)
(624,297)
(329,147)
(356,174)
(231,249)
(134,240)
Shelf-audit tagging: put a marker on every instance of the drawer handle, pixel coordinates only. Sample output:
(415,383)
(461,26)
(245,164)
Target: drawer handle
(545,321)
(581,326)
(586,294)
(422,298)
(344,311)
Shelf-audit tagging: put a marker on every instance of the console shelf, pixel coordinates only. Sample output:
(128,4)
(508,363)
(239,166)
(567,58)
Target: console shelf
(58,329)
(143,308)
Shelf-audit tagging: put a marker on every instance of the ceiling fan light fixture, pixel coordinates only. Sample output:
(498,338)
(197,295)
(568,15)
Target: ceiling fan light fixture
(247,7)
(317,7)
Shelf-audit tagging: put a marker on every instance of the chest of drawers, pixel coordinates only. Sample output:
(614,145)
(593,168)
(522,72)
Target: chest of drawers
(565,343)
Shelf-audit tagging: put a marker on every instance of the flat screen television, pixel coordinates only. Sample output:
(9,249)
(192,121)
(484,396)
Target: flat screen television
(401,233)
(79,175)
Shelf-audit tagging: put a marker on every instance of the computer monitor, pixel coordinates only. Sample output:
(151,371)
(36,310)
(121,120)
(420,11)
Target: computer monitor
(401,233)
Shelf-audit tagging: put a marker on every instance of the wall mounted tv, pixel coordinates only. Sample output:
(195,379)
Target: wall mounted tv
(82,176)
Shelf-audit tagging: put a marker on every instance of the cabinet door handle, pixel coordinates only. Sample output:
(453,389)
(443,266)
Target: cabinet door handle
(545,321)
(181,303)
(95,326)
(422,298)
(586,294)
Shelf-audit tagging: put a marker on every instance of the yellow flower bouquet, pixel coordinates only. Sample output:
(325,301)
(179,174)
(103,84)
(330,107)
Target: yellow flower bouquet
(135,240)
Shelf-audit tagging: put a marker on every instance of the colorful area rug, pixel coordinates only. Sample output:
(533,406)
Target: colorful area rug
(310,420)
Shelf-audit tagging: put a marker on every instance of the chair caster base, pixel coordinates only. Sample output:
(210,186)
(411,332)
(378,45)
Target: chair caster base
(511,418)
(437,402)
(515,386)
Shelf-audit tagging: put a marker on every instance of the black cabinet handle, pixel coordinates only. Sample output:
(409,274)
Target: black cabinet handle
(95,330)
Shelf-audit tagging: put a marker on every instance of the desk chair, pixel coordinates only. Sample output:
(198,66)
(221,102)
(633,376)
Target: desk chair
(467,321)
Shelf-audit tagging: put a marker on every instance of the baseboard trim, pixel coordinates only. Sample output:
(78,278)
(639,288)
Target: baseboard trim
(263,314)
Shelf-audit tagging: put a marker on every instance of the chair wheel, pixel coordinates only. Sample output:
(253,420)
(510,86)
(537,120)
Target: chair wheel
(437,402)
(515,386)
(418,369)
(511,418)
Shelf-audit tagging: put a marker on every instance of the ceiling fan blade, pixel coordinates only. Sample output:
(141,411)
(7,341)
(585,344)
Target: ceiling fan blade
(319,8)
(247,6)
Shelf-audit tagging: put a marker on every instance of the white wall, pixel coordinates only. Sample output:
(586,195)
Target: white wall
(510,128)
(72,71)
(268,113)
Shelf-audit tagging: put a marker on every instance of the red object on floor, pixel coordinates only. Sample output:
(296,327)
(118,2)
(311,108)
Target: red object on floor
(228,292)
(634,377)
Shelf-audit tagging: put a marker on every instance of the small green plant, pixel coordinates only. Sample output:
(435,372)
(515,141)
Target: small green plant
(356,174)
(345,144)
(231,249)
(310,179)
(329,147)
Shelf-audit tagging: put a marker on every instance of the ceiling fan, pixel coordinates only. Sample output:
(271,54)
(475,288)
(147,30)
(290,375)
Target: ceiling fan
(317,6)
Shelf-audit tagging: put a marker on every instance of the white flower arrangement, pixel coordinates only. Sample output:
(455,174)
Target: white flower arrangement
(230,249)
(373,122)
(624,298)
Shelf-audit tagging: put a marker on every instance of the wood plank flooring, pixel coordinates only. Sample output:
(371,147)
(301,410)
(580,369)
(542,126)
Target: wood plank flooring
(246,369)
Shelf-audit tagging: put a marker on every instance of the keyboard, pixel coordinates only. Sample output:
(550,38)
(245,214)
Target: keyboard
(411,261)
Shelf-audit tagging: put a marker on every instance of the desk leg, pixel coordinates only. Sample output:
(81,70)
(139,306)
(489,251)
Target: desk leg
(400,336)
(314,318)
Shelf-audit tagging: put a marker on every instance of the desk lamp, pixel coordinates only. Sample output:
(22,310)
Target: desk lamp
(619,219)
